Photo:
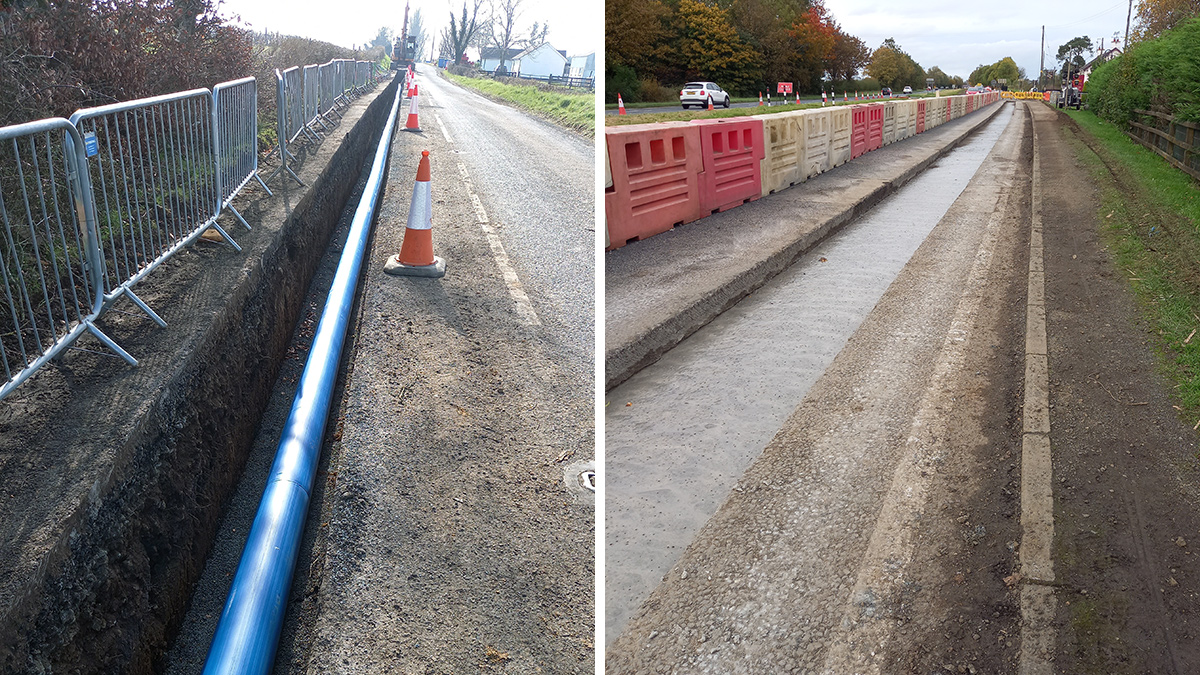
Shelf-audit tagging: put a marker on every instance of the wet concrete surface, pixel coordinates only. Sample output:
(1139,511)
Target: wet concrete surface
(681,432)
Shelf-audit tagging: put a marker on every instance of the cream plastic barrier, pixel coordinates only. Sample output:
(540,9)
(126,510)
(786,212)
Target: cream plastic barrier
(784,141)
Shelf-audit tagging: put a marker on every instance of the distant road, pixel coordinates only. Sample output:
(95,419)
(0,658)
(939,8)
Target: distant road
(750,104)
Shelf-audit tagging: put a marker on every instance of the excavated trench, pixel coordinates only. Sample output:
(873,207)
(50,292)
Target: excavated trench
(116,479)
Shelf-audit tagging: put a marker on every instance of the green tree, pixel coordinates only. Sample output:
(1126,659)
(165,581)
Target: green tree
(1004,69)
(1154,17)
(712,49)
(1071,55)
(893,67)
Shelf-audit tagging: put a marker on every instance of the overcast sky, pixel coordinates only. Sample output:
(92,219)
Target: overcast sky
(958,35)
(576,27)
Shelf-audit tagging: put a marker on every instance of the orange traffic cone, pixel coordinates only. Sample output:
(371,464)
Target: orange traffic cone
(710,105)
(845,98)
(824,99)
(760,99)
(797,98)
(620,106)
(416,258)
(412,124)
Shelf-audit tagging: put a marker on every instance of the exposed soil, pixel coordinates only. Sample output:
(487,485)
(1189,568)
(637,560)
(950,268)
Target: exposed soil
(1126,518)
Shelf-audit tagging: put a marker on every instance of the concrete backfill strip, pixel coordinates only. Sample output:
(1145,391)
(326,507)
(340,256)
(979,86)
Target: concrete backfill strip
(248,631)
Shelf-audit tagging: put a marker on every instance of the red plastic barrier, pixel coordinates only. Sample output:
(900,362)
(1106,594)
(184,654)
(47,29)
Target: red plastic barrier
(949,109)
(732,151)
(971,102)
(655,172)
(874,126)
(920,116)
(858,130)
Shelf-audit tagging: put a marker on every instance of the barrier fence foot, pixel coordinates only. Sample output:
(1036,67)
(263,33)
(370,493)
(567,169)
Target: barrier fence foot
(263,184)
(108,342)
(146,308)
(239,217)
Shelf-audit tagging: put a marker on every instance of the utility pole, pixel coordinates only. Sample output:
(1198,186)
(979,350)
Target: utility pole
(1042,64)
(1127,16)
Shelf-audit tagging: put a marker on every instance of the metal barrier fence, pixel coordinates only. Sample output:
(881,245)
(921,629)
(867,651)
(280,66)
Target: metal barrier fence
(91,205)
(327,76)
(312,115)
(289,116)
(235,125)
(53,291)
(154,183)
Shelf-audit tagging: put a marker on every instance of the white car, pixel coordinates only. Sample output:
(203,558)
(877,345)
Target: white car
(699,93)
(908,90)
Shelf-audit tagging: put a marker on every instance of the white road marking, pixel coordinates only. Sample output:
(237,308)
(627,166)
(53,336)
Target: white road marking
(442,126)
(515,289)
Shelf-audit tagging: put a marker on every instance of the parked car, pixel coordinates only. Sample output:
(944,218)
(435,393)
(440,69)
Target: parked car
(699,93)
(907,89)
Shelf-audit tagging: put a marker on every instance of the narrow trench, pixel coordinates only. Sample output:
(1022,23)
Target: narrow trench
(190,645)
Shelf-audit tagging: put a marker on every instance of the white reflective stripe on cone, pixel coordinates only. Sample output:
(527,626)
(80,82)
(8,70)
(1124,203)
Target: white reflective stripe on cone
(420,216)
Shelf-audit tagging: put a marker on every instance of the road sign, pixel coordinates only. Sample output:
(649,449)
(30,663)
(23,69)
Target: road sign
(785,88)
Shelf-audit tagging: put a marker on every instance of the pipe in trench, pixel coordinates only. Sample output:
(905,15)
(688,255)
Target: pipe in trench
(248,631)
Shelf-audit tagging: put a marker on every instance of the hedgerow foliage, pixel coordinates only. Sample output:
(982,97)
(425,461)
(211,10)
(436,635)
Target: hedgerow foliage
(60,55)
(1164,73)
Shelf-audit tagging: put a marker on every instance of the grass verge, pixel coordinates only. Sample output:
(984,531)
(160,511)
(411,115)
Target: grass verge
(574,111)
(1150,215)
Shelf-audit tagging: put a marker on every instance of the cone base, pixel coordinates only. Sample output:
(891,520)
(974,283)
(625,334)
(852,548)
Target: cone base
(415,130)
(394,267)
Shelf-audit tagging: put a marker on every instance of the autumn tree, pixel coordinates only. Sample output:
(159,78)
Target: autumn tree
(1156,16)
(712,49)
(892,66)
(815,36)
(849,56)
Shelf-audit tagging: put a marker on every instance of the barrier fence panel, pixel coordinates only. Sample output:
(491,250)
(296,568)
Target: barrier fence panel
(312,94)
(345,82)
(289,115)
(731,151)
(783,138)
(235,126)
(364,74)
(655,171)
(51,290)
(327,77)
(154,183)
(889,122)
(839,136)
(874,126)
(858,130)
(816,124)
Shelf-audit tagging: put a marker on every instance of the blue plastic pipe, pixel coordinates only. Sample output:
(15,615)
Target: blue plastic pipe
(248,630)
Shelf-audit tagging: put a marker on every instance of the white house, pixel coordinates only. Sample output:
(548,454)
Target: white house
(583,65)
(1103,57)
(541,61)
(489,59)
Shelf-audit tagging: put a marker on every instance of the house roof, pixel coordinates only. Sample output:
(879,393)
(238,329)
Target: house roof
(1103,57)
(561,52)
(494,53)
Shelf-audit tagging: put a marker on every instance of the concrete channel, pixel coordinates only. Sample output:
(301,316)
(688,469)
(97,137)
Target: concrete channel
(726,388)
(117,478)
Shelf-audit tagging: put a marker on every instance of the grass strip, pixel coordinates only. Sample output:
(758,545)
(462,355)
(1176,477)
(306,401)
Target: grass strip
(574,111)
(1150,216)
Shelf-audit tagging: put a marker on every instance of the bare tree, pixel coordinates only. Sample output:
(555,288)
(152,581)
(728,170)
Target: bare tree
(460,34)
(537,35)
(504,21)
